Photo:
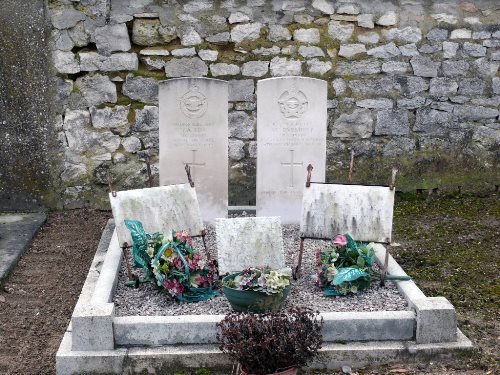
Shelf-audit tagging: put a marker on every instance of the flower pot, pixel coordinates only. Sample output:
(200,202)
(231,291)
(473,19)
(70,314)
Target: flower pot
(290,371)
(253,301)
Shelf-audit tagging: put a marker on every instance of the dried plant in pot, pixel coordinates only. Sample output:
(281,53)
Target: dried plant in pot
(271,343)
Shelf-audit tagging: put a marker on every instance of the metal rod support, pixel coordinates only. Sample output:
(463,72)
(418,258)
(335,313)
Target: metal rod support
(110,184)
(393,178)
(129,270)
(309,172)
(187,168)
(150,176)
(296,274)
(351,167)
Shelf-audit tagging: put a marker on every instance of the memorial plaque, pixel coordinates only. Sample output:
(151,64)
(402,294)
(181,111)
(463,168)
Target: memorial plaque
(249,242)
(291,133)
(365,212)
(194,132)
(159,209)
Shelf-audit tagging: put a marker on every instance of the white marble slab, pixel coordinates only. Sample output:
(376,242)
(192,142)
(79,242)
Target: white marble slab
(291,133)
(194,131)
(159,209)
(365,212)
(249,242)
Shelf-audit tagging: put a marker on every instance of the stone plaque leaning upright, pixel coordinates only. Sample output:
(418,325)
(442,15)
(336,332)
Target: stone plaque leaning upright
(291,134)
(194,132)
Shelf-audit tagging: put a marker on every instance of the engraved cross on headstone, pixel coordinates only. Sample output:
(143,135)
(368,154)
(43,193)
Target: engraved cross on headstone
(193,163)
(291,165)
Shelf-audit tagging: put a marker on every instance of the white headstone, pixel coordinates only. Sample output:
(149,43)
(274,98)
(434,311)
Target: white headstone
(365,212)
(291,133)
(159,209)
(194,131)
(249,242)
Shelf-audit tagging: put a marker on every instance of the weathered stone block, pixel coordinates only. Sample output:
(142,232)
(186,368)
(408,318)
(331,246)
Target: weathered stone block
(366,21)
(471,86)
(249,31)
(208,54)
(111,38)
(219,38)
(385,52)
(496,85)
(474,49)
(436,320)
(388,19)
(97,89)
(131,144)
(236,149)
(375,103)
(281,66)
(323,6)
(186,67)
(431,121)
(143,89)
(278,33)
(395,67)
(351,50)
(306,35)
(190,38)
(342,32)
(146,119)
(241,125)
(442,86)
(474,113)
(110,117)
(150,32)
(65,18)
(92,61)
(461,34)
(437,35)
(348,8)
(449,49)
(409,50)
(424,66)
(65,62)
(394,122)
(358,124)
(380,86)
(412,103)
(455,68)
(241,90)
(184,52)
(311,51)
(238,17)
(316,66)
(354,68)
(61,40)
(223,69)
(369,37)
(409,34)
(255,68)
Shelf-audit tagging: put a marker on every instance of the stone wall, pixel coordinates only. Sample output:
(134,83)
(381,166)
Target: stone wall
(411,83)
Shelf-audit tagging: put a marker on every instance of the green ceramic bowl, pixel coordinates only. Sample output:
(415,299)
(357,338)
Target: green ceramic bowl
(251,300)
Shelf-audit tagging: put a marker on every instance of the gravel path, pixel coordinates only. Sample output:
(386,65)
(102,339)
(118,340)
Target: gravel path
(147,300)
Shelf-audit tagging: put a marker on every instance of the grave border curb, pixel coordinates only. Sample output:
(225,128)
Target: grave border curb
(103,349)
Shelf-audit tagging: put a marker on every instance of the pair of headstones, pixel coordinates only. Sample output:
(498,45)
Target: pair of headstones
(291,133)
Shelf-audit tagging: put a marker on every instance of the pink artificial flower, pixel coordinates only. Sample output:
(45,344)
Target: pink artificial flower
(183,236)
(174,287)
(340,240)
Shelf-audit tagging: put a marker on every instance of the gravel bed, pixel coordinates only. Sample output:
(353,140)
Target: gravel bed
(147,300)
